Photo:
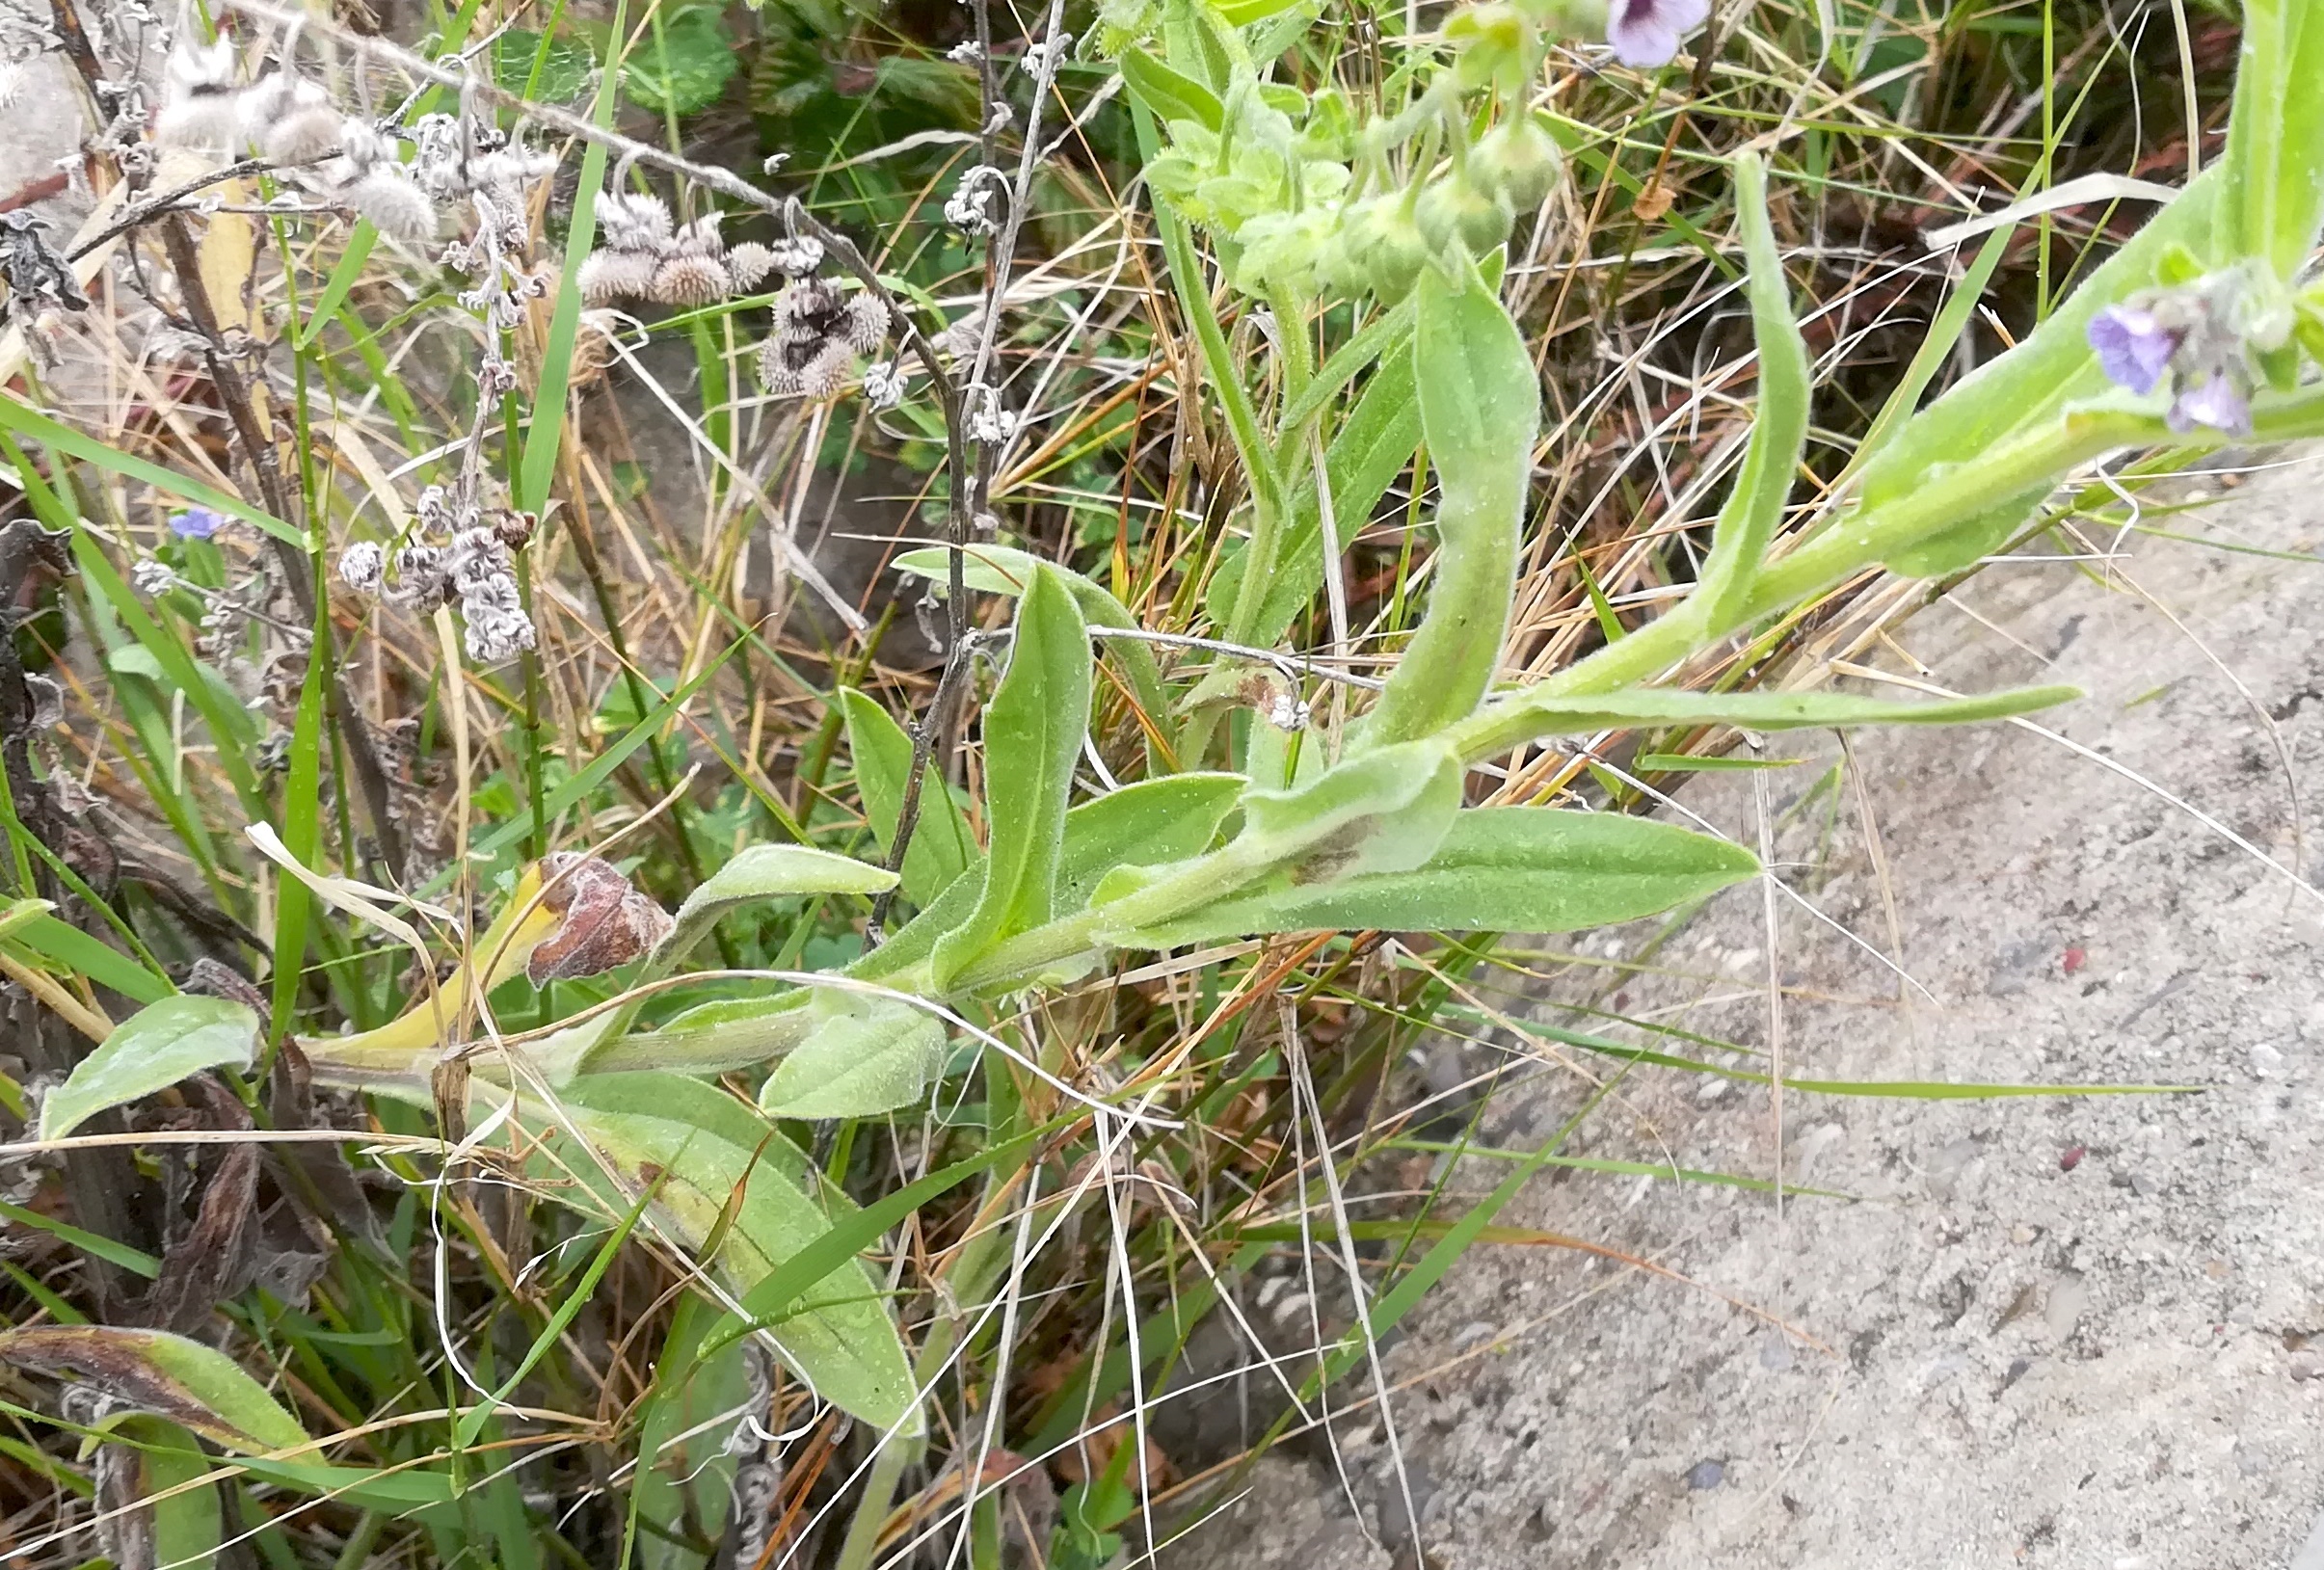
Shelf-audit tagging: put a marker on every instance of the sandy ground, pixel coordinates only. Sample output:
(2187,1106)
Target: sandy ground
(2072,1332)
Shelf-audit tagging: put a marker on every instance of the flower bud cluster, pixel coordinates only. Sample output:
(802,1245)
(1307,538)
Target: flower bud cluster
(2208,337)
(1283,191)
(820,331)
(463,556)
(643,255)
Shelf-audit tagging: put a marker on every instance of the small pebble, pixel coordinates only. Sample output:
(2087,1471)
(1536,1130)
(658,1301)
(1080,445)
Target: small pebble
(2022,1234)
(2305,1366)
(1775,1353)
(1710,1091)
(2146,1185)
(2061,1311)
(1706,1474)
(2071,1159)
(2266,1061)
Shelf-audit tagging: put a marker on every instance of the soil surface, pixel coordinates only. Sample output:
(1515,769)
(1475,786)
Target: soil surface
(2082,1331)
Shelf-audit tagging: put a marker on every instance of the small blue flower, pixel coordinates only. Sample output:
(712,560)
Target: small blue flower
(2217,403)
(1647,31)
(2134,348)
(195,524)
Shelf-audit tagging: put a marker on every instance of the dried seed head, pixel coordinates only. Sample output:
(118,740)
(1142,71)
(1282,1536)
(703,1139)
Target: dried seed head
(198,96)
(883,384)
(607,921)
(631,222)
(813,370)
(687,281)
(798,257)
(258,106)
(867,323)
(386,196)
(362,144)
(750,262)
(607,276)
(420,579)
(362,567)
(306,129)
(700,238)
(809,311)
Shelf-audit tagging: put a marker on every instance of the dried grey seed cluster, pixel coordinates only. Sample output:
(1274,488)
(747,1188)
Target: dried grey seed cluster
(819,333)
(969,207)
(646,256)
(38,278)
(464,556)
(290,120)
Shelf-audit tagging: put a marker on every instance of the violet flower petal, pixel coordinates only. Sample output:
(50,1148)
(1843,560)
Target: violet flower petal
(2217,404)
(194,523)
(1646,33)
(2133,348)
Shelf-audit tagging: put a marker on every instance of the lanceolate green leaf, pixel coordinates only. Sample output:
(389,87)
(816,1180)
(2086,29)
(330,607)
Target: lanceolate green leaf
(1479,409)
(1384,811)
(150,1050)
(709,1038)
(2299,204)
(1000,570)
(1033,730)
(1154,820)
(763,872)
(1151,821)
(867,1056)
(1499,869)
(703,1146)
(941,843)
(195,1386)
(1168,94)
(1778,426)
(1521,718)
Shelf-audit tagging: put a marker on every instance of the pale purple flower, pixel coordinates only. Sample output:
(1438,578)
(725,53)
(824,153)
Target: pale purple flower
(2134,348)
(194,523)
(2216,403)
(1647,31)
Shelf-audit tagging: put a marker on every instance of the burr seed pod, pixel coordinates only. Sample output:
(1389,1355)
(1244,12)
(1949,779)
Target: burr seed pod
(607,276)
(398,208)
(687,280)
(631,222)
(749,263)
(867,324)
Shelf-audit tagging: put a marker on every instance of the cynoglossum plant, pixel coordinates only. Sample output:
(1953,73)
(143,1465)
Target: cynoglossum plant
(1070,849)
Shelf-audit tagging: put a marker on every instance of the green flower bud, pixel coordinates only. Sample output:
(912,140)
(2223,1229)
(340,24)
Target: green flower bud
(1454,215)
(1287,251)
(1492,43)
(1519,159)
(1380,248)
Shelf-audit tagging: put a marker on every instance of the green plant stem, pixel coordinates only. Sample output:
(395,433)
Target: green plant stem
(1853,543)
(1863,539)
(971,1272)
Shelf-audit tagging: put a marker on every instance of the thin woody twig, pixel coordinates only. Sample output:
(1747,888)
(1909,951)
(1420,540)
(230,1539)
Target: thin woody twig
(931,738)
